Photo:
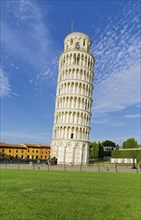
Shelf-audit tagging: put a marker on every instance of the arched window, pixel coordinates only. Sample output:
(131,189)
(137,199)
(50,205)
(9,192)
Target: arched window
(84,42)
(71,135)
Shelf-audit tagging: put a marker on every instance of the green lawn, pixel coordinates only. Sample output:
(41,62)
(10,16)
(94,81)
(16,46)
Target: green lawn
(43,195)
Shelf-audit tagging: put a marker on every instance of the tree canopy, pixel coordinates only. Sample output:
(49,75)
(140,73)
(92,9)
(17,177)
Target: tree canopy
(93,149)
(108,143)
(96,150)
(130,143)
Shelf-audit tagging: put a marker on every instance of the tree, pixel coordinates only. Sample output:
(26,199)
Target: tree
(93,150)
(130,143)
(108,143)
(108,147)
(101,151)
(117,146)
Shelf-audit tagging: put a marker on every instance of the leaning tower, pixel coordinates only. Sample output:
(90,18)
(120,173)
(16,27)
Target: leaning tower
(72,115)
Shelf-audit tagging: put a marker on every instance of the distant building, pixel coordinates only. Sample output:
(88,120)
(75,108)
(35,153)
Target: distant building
(126,155)
(12,150)
(108,148)
(24,151)
(138,148)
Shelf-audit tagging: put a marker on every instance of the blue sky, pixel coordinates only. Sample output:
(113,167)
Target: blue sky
(32,35)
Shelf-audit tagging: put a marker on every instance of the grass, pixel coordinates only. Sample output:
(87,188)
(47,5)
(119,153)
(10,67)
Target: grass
(51,195)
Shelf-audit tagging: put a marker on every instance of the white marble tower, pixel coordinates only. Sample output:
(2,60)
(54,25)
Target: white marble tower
(72,115)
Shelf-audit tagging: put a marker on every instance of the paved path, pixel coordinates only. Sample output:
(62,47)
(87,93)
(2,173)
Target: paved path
(84,168)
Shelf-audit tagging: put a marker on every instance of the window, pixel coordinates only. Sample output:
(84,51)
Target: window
(16,151)
(22,151)
(84,42)
(9,151)
(33,151)
(28,150)
(22,156)
(36,151)
(77,46)
(71,135)
(2,150)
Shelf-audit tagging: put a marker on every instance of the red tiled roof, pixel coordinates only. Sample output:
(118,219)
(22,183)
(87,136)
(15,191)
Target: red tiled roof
(36,145)
(11,145)
(30,145)
(24,145)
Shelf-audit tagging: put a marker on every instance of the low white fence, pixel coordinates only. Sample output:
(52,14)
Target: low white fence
(123,160)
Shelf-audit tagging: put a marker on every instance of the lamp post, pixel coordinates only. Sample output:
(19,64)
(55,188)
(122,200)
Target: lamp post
(134,167)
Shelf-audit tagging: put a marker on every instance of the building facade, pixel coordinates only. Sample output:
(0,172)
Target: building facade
(24,151)
(72,115)
(9,151)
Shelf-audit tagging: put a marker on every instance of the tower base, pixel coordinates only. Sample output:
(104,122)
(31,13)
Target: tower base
(70,152)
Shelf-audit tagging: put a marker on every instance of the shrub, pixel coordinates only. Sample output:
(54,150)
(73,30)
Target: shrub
(127,154)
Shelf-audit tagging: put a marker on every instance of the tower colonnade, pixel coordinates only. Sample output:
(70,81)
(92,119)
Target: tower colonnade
(76,72)
(76,102)
(81,88)
(71,129)
(71,132)
(72,117)
(82,59)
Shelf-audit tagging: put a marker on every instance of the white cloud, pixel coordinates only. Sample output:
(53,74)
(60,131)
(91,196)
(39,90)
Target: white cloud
(50,71)
(28,38)
(132,116)
(118,91)
(5,88)
(101,121)
(117,69)
(25,137)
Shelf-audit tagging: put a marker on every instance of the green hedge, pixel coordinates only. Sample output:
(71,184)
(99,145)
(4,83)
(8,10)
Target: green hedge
(127,154)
